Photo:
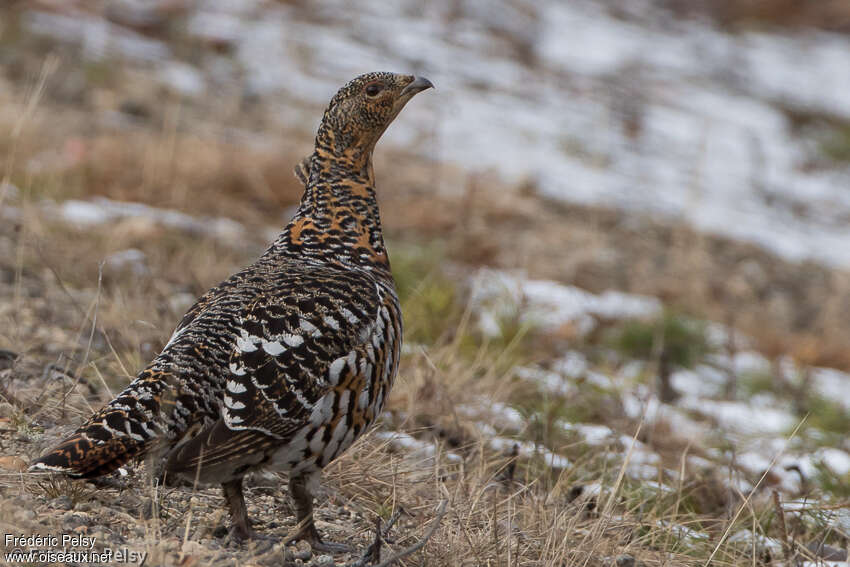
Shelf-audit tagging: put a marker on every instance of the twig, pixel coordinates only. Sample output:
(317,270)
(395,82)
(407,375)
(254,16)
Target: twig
(393,519)
(373,552)
(787,547)
(441,511)
(510,468)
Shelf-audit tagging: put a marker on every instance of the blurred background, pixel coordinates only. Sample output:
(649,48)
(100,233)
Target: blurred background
(644,203)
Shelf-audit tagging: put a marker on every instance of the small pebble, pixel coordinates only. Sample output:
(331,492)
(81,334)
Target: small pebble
(61,503)
(303,551)
(324,561)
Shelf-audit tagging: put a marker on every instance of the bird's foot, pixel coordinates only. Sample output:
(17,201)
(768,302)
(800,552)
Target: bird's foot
(311,535)
(331,547)
(240,533)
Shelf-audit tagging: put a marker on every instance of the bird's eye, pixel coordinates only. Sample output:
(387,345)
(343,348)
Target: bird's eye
(373,89)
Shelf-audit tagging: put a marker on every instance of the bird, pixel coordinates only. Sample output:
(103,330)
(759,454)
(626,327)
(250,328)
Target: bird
(285,363)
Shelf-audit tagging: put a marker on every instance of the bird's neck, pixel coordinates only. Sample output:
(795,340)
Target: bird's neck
(338,216)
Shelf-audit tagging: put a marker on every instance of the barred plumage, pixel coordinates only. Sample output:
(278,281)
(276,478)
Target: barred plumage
(285,363)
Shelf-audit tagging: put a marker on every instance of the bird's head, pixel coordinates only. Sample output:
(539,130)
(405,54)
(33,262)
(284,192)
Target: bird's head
(361,110)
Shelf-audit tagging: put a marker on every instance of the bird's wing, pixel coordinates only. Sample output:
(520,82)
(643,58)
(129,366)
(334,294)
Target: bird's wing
(281,366)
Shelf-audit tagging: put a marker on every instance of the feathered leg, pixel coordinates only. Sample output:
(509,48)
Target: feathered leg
(240,529)
(301,489)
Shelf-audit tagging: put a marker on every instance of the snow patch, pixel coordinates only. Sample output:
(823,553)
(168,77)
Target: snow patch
(743,418)
(592,434)
(498,295)
(501,416)
(131,259)
(832,384)
(101,211)
(413,445)
(527,450)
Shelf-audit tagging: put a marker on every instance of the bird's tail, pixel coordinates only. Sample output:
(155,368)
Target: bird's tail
(91,451)
(124,429)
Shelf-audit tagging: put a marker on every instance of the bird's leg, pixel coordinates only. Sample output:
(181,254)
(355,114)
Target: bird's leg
(240,529)
(301,489)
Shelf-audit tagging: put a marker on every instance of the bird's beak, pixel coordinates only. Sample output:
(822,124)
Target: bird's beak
(419,84)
